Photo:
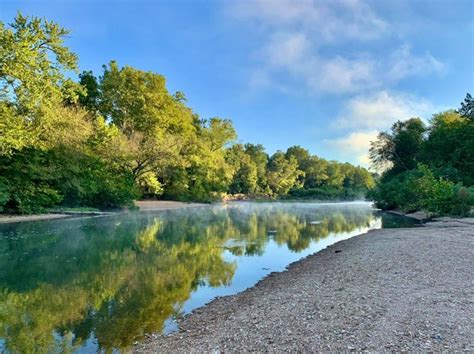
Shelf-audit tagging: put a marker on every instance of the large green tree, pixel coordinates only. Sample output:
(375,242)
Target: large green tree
(33,64)
(283,173)
(399,148)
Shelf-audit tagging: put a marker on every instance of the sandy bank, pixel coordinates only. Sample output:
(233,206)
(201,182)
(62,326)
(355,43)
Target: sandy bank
(9,218)
(148,205)
(387,290)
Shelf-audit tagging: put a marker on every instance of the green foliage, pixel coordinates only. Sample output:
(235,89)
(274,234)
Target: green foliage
(106,140)
(448,150)
(283,173)
(420,189)
(260,159)
(463,201)
(245,176)
(467,108)
(322,179)
(90,97)
(27,187)
(32,81)
(4,193)
(399,148)
(444,155)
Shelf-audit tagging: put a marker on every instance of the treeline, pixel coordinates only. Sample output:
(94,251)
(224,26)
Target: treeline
(427,167)
(103,141)
(295,174)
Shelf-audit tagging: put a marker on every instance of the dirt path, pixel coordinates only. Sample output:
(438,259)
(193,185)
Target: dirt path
(388,290)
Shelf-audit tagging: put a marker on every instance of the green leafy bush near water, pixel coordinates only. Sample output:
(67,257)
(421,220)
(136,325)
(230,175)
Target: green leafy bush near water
(427,167)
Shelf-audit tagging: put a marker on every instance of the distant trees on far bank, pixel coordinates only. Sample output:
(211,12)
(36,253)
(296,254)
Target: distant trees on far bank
(106,140)
(429,167)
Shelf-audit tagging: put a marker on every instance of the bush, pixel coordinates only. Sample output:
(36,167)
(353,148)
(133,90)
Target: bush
(419,189)
(463,201)
(4,193)
(30,198)
(36,180)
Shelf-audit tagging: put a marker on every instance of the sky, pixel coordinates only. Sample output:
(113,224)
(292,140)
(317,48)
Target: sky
(323,74)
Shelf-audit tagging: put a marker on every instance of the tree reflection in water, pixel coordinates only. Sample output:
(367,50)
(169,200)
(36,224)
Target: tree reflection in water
(113,279)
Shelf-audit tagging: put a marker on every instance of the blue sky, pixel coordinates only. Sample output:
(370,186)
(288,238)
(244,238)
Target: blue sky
(326,75)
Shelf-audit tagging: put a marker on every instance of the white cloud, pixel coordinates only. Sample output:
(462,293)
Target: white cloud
(329,20)
(342,75)
(381,110)
(286,49)
(355,146)
(293,54)
(316,45)
(404,64)
(364,116)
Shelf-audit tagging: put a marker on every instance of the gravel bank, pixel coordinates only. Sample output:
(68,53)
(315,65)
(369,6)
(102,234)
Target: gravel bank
(10,218)
(144,205)
(388,290)
(152,205)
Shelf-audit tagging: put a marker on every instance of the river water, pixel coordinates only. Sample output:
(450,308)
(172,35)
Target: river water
(102,283)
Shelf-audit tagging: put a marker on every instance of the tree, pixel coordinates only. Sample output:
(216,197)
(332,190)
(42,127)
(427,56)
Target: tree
(245,175)
(282,173)
(32,80)
(398,148)
(300,154)
(91,96)
(335,175)
(156,125)
(260,158)
(467,108)
(448,147)
(316,172)
(203,172)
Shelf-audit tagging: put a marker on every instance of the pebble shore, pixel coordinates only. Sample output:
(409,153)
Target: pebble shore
(388,290)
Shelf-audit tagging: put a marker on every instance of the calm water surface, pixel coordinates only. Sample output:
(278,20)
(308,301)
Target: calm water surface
(96,284)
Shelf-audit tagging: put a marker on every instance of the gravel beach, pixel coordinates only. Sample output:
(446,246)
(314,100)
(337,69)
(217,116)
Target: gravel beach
(144,205)
(387,290)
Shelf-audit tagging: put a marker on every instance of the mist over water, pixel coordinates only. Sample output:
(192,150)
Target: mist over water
(101,283)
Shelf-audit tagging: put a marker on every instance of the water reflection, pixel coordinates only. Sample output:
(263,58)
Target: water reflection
(102,283)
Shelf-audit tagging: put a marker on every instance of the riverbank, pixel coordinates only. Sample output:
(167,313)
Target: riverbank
(144,205)
(420,216)
(13,218)
(152,205)
(387,290)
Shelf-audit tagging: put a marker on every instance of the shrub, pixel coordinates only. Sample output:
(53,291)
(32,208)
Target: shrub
(463,201)
(30,198)
(419,189)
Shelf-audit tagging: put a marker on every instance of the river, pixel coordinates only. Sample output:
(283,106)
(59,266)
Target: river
(102,283)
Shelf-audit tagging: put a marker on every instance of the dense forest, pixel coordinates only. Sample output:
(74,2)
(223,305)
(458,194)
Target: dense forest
(427,167)
(106,140)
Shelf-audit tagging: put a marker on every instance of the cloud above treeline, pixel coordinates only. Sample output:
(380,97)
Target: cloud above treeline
(337,48)
(363,117)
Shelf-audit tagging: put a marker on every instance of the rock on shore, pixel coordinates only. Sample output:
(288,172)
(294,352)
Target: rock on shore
(388,290)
